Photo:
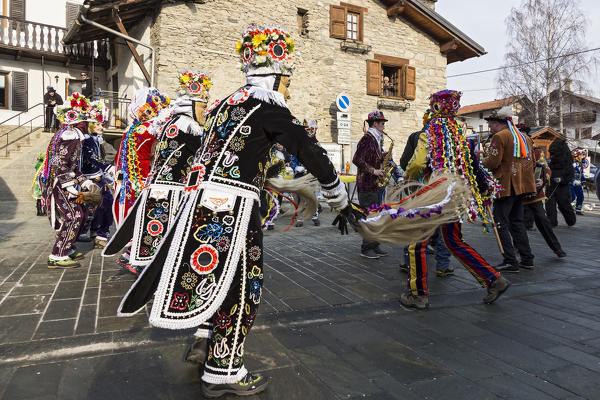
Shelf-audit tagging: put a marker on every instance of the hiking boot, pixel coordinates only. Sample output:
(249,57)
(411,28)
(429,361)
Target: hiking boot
(560,253)
(84,237)
(76,255)
(410,300)
(196,352)
(62,264)
(526,265)
(504,267)
(247,386)
(369,254)
(404,268)
(316,222)
(381,253)
(496,289)
(299,224)
(444,272)
(579,212)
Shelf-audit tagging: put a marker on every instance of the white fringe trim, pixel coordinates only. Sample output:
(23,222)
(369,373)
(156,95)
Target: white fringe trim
(269,96)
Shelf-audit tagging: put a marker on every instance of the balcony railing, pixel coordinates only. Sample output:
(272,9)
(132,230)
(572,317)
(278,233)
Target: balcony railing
(42,38)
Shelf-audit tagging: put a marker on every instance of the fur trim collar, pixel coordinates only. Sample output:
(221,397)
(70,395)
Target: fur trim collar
(268,96)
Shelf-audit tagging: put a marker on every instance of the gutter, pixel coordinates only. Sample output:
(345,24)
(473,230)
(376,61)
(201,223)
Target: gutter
(83,19)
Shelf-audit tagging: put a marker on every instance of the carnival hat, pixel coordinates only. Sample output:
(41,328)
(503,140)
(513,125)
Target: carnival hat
(75,110)
(98,112)
(376,116)
(444,103)
(266,50)
(524,128)
(502,114)
(311,126)
(194,84)
(147,103)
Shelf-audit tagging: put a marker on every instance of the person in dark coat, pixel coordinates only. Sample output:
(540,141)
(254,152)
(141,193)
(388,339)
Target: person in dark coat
(561,167)
(86,85)
(51,99)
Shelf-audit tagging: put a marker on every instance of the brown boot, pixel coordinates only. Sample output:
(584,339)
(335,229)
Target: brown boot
(410,300)
(496,289)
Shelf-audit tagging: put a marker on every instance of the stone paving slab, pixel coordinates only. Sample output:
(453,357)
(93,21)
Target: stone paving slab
(330,326)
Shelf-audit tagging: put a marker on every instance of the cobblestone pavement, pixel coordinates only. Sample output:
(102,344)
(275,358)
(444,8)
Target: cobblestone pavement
(330,325)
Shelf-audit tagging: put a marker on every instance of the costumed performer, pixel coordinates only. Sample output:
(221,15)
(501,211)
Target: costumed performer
(579,158)
(133,158)
(63,182)
(444,146)
(100,172)
(149,219)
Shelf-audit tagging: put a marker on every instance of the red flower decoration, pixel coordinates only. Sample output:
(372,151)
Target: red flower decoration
(180,301)
(75,95)
(73,103)
(223,320)
(277,50)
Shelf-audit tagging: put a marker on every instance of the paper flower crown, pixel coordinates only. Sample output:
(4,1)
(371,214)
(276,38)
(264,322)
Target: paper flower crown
(155,102)
(194,84)
(445,103)
(76,109)
(579,155)
(98,112)
(265,50)
(311,126)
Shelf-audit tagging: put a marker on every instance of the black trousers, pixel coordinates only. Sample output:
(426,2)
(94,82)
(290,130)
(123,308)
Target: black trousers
(365,200)
(508,213)
(536,210)
(50,119)
(560,195)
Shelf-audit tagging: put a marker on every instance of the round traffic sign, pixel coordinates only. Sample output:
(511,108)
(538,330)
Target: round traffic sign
(343,102)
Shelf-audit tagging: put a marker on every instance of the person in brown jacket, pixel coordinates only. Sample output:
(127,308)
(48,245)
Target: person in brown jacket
(510,158)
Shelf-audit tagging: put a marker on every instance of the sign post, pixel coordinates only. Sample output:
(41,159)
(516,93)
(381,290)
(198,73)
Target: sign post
(344,122)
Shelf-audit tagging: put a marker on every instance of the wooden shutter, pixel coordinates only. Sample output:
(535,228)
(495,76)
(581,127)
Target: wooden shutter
(72,12)
(409,82)
(337,22)
(17,9)
(374,77)
(19,91)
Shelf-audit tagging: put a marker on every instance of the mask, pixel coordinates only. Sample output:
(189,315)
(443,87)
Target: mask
(284,85)
(198,108)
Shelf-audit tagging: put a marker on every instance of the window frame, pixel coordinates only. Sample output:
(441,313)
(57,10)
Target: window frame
(351,9)
(396,63)
(6,89)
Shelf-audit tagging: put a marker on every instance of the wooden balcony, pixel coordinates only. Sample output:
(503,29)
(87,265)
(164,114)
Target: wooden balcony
(34,40)
(579,117)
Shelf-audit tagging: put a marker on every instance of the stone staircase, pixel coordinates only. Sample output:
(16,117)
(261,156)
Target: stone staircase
(17,168)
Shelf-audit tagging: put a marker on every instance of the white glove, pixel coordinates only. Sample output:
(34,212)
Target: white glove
(576,182)
(87,184)
(300,169)
(72,192)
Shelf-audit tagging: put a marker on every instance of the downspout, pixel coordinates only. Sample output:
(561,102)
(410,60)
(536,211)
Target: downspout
(119,34)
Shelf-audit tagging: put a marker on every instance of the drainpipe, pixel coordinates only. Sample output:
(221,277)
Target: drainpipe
(119,34)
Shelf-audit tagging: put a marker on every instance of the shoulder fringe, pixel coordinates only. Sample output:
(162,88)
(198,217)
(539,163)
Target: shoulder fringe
(304,186)
(71,134)
(269,96)
(189,125)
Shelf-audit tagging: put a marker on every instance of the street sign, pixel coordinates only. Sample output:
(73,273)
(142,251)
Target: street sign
(343,116)
(343,136)
(342,102)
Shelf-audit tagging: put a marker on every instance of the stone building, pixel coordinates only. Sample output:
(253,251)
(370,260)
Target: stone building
(348,47)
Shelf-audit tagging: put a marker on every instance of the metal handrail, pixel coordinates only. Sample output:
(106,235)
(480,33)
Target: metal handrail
(30,122)
(22,112)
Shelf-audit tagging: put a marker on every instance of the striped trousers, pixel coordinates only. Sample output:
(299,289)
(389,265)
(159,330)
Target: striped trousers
(468,257)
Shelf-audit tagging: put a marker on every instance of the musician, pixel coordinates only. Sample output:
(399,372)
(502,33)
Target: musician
(368,159)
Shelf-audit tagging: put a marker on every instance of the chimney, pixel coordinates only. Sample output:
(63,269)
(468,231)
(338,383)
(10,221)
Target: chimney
(567,86)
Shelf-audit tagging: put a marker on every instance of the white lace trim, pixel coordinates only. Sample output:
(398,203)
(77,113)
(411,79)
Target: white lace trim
(335,191)
(220,379)
(268,96)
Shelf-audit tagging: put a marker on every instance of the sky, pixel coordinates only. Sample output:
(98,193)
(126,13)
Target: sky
(484,22)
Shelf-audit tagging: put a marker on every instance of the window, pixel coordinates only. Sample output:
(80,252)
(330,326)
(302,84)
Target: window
(302,22)
(391,77)
(72,12)
(3,90)
(17,9)
(346,21)
(352,25)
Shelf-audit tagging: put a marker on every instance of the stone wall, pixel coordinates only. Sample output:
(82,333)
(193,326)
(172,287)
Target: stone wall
(203,36)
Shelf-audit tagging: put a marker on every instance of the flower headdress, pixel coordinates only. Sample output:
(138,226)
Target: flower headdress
(76,109)
(146,104)
(311,126)
(445,103)
(579,155)
(265,50)
(194,84)
(98,112)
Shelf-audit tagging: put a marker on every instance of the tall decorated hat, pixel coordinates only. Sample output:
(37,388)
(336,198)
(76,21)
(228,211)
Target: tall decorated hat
(194,84)
(376,116)
(75,110)
(147,103)
(266,50)
(445,103)
(98,112)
